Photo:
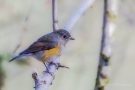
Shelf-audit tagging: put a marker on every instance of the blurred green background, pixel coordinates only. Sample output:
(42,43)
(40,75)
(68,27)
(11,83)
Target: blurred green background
(24,21)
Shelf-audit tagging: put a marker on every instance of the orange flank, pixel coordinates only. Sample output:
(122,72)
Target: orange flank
(50,53)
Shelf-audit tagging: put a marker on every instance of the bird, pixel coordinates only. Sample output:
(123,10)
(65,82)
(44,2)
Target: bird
(47,46)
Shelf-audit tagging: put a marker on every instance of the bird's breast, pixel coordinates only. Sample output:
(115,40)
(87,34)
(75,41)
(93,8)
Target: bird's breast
(47,54)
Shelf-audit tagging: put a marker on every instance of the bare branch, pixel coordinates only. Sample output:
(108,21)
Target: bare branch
(110,13)
(43,81)
(22,35)
(54,15)
(82,9)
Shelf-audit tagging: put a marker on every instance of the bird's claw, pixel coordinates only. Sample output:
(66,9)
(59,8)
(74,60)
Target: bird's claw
(58,65)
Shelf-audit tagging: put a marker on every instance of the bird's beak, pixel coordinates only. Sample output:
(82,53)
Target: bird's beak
(71,38)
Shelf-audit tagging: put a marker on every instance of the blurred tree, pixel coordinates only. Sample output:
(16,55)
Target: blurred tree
(3,57)
(2,74)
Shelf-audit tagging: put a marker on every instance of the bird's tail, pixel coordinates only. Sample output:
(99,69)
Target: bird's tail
(15,58)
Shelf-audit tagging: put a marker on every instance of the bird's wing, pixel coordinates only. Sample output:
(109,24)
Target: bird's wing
(40,46)
(36,47)
(45,42)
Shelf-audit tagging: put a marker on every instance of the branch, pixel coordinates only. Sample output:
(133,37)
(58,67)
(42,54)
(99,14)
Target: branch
(81,10)
(43,81)
(54,15)
(110,13)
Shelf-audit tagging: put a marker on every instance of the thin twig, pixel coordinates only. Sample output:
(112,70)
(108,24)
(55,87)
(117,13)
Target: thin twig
(21,40)
(54,15)
(24,29)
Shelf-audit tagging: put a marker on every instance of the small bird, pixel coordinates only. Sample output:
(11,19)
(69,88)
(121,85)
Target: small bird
(47,46)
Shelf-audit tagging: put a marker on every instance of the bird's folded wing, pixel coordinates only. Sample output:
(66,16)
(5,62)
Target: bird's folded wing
(40,46)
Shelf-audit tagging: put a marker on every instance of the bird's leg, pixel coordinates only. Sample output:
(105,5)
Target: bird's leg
(47,70)
(62,66)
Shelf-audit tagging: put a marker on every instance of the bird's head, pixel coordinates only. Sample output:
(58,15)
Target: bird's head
(64,35)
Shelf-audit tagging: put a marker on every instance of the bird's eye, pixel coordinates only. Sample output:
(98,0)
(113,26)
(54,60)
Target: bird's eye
(65,36)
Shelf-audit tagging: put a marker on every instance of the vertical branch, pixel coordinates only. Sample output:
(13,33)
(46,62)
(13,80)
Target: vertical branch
(101,60)
(54,15)
(110,13)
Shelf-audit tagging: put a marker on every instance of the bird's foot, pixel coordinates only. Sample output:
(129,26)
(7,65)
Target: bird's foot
(58,65)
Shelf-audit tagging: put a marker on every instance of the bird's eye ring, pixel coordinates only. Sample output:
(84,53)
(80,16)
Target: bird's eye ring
(65,36)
